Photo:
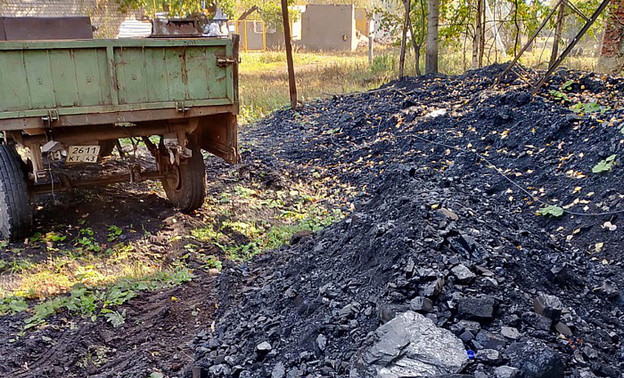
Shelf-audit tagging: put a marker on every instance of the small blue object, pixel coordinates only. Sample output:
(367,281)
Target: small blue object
(471,354)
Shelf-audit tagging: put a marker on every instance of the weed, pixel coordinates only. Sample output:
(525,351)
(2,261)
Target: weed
(95,355)
(550,211)
(559,96)
(86,241)
(53,237)
(10,306)
(91,302)
(588,107)
(567,85)
(114,318)
(604,165)
(113,233)
(210,261)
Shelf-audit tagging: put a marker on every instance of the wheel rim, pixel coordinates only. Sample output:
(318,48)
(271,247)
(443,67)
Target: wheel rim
(176,178)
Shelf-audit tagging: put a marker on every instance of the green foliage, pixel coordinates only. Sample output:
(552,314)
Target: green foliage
(53,237)
(10,306)
(114,318)
(557,95)
(588,107)
(567,85)
(551,211)
(113,233)
(86,241)
(91,302)
(605,165)
(177,8)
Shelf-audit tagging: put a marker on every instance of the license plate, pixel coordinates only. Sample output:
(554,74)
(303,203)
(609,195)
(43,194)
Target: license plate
(82,154)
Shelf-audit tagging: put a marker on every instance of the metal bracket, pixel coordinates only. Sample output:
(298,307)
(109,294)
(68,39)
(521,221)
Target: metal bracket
(181,107)
(224,61)
(51,117)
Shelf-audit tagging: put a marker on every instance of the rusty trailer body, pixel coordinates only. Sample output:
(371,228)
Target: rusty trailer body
(60,98)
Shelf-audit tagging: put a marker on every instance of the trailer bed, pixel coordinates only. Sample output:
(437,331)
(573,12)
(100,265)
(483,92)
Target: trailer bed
(111,81)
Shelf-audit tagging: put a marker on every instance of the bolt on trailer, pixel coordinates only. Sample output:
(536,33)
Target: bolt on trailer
(67,102)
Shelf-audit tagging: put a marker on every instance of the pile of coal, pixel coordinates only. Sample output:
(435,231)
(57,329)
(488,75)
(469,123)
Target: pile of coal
(443,268)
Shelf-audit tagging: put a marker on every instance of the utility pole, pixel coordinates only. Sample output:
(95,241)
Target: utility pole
(289,56)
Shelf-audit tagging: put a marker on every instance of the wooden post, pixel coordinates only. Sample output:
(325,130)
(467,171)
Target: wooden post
(289,56)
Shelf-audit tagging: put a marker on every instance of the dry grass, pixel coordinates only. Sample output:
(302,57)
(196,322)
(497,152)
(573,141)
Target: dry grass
(264,79)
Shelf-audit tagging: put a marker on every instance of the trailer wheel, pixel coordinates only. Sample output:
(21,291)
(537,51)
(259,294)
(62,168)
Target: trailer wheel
(16,212)
(107,146)
(186,189)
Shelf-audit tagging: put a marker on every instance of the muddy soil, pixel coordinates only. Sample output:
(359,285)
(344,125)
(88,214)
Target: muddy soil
(155,338)
(160,326)
(450,173)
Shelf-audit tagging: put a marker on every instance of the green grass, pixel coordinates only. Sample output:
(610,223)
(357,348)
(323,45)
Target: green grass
(92,301)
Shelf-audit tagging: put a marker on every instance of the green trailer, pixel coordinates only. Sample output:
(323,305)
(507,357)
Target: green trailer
(68,102)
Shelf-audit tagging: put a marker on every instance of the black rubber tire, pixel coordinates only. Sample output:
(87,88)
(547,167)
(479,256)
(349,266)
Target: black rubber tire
(189,193)
(107,147)
(16,211)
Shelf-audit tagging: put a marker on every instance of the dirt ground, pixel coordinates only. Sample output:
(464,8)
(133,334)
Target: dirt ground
(395,246)
(161,324)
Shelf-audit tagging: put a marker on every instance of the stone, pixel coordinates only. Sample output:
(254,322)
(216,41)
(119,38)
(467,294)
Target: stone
(476,308)
(448,214)
(412,345)
(463,274)
(548,306)
(510,332)
(534,359)
(488,340)
(561,274)
(506,372)
(563,329)
(278,371)
(432,289)
(488,355)
(421,304)
(537,321)
(466,336)
(264,347)
(321,342)
(220,370)
(299,236)
(469,325)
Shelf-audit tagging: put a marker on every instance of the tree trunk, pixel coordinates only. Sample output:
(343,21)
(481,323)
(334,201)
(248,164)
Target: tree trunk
(408,9)
(612,49)
(476,40)
(558,30)
(482,36)
(431,62)
(403,45)
(517,27)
